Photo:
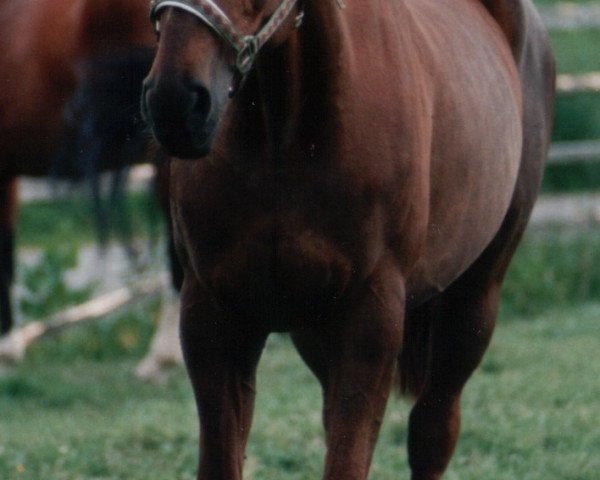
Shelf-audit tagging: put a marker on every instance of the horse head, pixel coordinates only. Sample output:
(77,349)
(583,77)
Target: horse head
(204,53)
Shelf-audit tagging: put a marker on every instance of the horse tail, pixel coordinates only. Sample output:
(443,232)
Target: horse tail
(415,357)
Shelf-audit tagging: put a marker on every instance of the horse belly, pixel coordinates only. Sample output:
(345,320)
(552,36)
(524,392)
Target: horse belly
(475,158)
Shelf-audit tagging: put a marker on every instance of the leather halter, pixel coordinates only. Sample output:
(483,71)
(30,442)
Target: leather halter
(246,46)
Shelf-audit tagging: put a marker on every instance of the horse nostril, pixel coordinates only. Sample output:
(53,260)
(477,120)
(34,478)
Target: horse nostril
(175,101)
(202,103)
(181,113)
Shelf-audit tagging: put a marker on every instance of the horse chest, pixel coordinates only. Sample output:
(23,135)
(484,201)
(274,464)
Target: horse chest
(281,252)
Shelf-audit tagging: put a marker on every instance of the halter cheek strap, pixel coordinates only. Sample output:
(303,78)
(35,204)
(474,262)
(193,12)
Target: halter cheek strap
(246,46)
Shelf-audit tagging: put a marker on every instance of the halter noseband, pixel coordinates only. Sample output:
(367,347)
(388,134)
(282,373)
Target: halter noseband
(246,46)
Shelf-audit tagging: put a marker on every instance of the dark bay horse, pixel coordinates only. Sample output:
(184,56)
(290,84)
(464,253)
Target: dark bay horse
(364,172)
(59,57)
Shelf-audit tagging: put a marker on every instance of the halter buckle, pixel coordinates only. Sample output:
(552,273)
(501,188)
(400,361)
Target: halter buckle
(299,19)
(247,54)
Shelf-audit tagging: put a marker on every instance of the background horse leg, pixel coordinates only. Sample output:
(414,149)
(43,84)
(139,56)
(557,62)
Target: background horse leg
(221,357)
(354,357)
(165,350)
(8,217)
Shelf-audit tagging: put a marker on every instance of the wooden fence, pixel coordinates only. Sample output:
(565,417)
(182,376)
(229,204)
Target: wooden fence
(576,151)
(569,16)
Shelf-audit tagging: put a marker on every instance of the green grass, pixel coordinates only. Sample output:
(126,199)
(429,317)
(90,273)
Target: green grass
(49,223)
(553,269)
(572,178)
(577,117)
(73,409)
(70,413)
(576,51)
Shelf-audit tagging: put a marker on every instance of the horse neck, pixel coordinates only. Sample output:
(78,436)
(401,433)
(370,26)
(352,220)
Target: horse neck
(113,25)
(298,82)
(32,27)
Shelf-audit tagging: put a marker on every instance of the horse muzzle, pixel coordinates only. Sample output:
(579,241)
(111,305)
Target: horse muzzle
(182,116)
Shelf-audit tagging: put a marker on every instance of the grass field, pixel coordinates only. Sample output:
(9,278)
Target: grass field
(73,410)
(54,222)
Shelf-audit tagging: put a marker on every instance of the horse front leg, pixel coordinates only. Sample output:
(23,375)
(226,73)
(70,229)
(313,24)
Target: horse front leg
(355,359)
(221,358)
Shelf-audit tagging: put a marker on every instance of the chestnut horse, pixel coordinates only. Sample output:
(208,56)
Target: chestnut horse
(55,53)
(364,188)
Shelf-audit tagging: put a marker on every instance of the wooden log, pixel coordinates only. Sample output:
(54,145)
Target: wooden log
(15,344)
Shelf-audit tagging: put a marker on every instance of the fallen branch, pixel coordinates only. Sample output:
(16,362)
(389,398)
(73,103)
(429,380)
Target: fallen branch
(14,345)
